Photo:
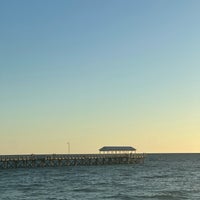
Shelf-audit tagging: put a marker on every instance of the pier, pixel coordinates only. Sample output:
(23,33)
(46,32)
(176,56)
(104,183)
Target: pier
(107,156)
(61,160)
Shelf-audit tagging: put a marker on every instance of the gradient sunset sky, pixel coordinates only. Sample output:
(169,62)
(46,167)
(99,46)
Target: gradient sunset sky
(99,72)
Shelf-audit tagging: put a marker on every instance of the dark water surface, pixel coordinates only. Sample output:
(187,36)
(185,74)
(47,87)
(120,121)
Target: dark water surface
(162,176)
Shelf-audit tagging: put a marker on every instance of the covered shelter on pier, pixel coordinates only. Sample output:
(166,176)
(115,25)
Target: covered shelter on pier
(117,149)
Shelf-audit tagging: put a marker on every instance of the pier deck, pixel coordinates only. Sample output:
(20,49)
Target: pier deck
(58,160)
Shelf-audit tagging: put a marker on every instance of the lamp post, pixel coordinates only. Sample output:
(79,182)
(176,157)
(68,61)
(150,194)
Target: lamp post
(68,144)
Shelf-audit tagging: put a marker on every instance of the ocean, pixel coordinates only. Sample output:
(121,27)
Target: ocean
(161,177)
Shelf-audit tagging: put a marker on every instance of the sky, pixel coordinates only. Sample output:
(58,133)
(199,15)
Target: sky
(99,72)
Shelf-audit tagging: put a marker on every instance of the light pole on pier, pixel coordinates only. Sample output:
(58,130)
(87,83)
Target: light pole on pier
(68,144)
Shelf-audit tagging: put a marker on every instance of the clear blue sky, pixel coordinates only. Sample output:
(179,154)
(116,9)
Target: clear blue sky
(106,72)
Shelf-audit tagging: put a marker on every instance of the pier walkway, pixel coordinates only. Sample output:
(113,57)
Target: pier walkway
(58,160)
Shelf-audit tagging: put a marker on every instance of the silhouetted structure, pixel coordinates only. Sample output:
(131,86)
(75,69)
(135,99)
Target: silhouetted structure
(113,155)
(117,149)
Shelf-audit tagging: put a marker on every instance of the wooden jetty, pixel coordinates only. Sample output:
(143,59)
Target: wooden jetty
(61,160)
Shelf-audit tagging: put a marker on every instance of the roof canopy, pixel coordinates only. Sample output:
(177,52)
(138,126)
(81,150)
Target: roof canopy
(117,148)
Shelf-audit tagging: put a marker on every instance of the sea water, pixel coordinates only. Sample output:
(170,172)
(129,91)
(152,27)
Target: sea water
(162,176)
